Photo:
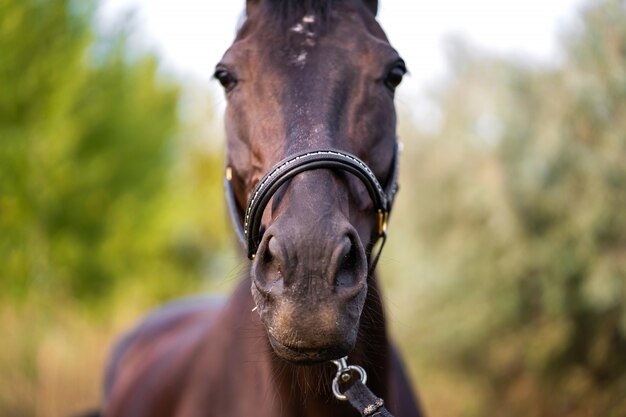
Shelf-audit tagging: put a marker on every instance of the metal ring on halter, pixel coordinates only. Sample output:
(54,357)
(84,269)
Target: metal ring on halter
(342,369)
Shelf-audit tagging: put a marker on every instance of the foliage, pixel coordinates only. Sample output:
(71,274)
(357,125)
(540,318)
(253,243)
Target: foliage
(108,205)
(88,152)
(520,205)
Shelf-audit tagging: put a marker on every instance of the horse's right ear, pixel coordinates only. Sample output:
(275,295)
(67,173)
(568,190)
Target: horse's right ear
(372,5)
(251,6)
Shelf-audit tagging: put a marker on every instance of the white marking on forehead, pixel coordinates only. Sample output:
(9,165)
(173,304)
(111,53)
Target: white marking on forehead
(304,28)
(301,58)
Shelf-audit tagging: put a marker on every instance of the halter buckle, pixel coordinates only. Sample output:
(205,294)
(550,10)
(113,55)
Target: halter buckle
(383,217)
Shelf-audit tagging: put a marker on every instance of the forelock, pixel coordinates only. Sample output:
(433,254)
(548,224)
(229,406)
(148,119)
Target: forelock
(286,12)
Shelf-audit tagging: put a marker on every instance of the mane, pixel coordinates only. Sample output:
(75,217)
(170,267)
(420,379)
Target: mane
(286,12)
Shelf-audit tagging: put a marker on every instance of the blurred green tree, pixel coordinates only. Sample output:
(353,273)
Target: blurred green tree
(110,198)
(521,201)
(91,151)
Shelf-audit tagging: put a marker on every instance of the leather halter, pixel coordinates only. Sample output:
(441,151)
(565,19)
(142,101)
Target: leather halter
(249,231)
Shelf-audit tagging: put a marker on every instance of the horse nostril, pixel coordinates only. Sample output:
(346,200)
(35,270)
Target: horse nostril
(350,271)
(266,272)
(273,250)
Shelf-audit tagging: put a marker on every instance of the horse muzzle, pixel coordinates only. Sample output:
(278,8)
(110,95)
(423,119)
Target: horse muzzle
(310,290)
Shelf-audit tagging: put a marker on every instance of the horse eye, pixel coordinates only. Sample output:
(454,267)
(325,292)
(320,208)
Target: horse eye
(225,78)
(394,76)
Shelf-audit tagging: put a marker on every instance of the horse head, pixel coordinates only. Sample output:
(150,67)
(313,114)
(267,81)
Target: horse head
(301,77)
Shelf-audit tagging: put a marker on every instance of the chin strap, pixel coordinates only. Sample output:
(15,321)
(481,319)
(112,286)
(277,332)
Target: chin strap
(358,395)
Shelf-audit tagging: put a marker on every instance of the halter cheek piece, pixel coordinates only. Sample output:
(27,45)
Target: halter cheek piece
(250,232)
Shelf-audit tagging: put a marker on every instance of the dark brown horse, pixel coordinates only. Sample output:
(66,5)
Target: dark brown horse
(310,83)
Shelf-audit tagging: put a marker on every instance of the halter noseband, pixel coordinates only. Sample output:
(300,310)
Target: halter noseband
(250,232)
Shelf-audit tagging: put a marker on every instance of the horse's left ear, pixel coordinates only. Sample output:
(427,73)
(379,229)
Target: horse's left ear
(372,5)
(251,5)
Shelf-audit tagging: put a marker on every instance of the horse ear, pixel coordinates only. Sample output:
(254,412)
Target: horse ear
(372,5)
(251,6)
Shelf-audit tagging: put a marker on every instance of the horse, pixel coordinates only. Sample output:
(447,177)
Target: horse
(311,167)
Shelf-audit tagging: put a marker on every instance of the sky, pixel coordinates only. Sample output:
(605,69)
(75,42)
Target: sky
(191,35)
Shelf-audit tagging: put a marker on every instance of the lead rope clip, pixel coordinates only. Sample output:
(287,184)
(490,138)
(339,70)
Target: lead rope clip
(343,374)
